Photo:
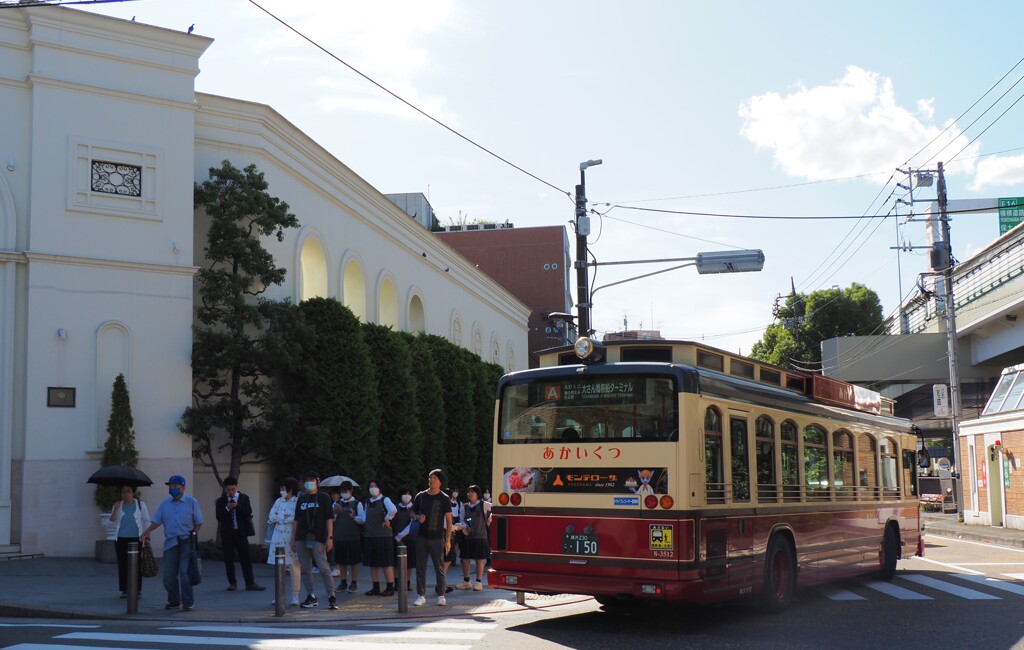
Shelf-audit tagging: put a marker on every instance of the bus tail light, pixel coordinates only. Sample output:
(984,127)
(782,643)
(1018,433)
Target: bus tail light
(667,502)
(651,501)
(650,590)
(516,498)
(503,498)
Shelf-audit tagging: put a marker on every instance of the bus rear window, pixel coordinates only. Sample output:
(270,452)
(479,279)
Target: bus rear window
(640,408)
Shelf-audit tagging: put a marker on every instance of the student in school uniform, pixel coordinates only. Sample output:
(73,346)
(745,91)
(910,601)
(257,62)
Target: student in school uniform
(404,525)
(452,556)
(348,553)
(476,517)
(379,548)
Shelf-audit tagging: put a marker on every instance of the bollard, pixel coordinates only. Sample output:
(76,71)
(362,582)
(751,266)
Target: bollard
(402,578)
(133,578)
(279,581)
(520,598)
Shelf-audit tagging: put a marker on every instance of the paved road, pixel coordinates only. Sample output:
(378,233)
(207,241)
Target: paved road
(961,595)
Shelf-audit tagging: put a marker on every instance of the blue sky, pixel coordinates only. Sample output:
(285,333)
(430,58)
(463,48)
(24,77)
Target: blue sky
(689,104)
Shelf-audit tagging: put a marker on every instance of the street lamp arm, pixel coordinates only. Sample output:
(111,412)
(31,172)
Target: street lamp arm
(667,259)
(638,277)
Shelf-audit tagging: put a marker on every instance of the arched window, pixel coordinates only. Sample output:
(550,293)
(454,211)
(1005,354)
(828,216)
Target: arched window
(790,462)
(867,467)
(815,462)
(417,319)
(842,459)
(890,459)
(387,304)
(714,475)
(354,286)
(764,442)
(313,263)
(739,459)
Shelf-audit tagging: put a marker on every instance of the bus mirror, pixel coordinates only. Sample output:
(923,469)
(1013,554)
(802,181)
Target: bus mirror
(924,459)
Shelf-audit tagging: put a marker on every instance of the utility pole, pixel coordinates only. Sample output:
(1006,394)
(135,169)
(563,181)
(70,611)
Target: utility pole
(582,231)
(954,365)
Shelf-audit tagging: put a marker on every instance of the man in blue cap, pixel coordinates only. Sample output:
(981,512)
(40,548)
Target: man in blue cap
(181,518)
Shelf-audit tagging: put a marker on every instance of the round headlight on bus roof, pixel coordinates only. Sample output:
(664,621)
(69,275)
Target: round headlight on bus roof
(584,347)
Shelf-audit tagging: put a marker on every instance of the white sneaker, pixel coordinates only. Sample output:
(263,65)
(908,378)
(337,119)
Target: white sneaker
(441,602)
(420,601)
(316,570)
(336,572)
(479,586)
(465,584)
(294,602)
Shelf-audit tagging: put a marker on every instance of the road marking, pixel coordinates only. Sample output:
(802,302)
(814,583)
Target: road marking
(950,566)
(63,625)
(949,588)
(895,591)
(327,633)
(990,563)
(835,593)
(453,625)
(1015,576)
(967,541)
(994,582)
(365,641)
(52,646)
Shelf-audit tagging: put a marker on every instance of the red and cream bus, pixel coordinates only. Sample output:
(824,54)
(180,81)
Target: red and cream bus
(673,470)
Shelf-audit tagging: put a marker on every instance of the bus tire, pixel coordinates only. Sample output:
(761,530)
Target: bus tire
(779,575)
(888,553)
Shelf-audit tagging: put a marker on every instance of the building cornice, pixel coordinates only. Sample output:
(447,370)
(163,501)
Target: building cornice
(39,80)
(123,265)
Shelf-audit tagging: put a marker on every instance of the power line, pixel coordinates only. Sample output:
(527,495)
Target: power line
(605,215)
(56,3)
(725,215)
(409,104)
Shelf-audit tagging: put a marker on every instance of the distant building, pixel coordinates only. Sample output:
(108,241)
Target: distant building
(416,206)
(533,264)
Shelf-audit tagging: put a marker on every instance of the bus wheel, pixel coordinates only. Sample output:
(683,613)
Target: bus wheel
(779,575)
(888,552)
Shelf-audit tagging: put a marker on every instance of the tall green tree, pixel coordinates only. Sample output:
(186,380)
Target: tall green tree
(429,406)
(119,448)
(229,358)
(329,416)
(400,438)
(805,320)
(457,395)
(485,385)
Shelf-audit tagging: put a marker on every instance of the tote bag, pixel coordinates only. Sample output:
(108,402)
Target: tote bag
(147,563)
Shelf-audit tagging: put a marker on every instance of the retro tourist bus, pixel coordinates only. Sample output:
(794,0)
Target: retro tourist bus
(676,471)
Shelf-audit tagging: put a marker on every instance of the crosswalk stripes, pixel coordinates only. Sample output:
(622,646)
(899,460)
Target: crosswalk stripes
(449,634)
(946,585)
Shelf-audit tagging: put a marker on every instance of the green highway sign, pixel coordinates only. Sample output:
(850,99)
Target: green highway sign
(1011,213)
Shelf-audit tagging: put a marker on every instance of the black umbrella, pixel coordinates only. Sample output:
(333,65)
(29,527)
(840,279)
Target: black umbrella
(120,475)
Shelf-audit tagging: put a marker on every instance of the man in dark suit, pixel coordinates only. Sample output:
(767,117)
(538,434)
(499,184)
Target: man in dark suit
(234,517)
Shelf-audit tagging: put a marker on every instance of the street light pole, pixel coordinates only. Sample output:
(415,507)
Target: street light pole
(951,345)
(582,231)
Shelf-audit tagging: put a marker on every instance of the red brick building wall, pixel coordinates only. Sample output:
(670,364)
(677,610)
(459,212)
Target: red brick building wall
(533,264)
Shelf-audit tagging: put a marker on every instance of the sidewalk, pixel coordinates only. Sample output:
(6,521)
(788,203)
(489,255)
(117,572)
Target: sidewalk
(946,525)
(82,588)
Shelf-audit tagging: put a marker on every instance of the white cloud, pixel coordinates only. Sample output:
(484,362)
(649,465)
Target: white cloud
(384,41)
(999,170)
(848,127)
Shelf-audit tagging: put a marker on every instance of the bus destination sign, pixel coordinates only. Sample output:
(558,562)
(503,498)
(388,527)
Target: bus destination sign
(610,390)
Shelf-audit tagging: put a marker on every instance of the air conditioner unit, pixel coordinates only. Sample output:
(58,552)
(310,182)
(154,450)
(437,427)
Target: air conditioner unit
(474,226)
(454,228)
(490,226)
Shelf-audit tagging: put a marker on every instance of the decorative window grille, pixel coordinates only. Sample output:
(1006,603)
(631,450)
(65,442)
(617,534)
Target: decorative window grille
(116,178)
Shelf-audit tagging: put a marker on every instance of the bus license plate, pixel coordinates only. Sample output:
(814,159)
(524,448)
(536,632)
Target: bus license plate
(579,544)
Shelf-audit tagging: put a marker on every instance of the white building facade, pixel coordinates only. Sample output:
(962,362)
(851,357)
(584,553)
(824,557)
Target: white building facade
(103,140)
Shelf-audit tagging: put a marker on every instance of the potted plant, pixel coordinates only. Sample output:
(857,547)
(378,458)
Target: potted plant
(118,450)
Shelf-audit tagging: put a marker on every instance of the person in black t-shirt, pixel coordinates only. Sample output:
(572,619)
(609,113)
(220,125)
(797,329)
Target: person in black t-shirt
(313,538)
(433,509)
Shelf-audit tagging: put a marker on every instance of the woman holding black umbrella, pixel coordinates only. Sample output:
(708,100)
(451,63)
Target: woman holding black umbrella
(131,517)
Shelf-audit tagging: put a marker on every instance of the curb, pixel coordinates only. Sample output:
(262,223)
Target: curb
(971,536)
(197,616)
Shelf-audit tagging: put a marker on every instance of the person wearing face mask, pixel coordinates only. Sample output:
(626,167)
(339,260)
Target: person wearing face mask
(234,523)
(404,525)
(348,550)
(130,517)
(380,550)
(181,518)
(313,539)
(476,517)
(282,515)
